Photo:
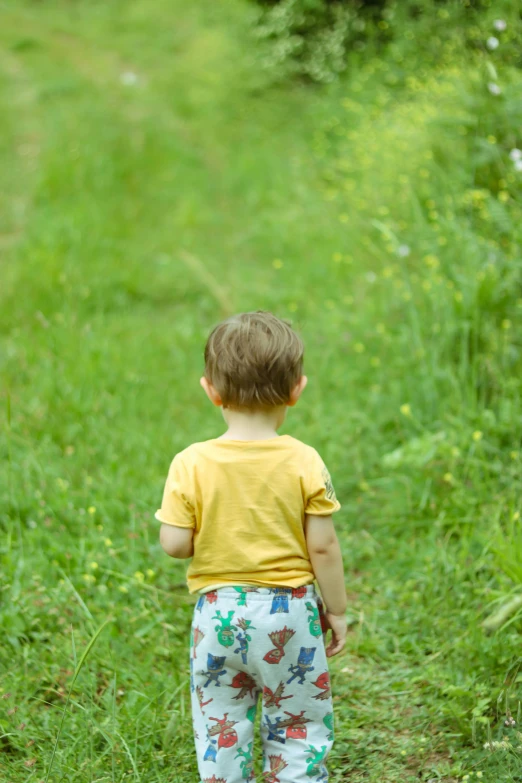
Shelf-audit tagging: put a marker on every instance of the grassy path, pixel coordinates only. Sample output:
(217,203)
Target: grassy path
(153,185)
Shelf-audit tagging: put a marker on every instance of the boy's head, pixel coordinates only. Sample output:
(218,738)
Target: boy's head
(253,361)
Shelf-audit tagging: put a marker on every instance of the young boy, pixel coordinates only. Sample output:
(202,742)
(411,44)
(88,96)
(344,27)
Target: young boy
(253,510)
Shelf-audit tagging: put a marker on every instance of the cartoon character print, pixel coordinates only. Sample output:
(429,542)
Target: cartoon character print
(278,639)
(225,631)
(197,638)
(251,713)
(211,751)
(211,596)
(200,603)
(314,623)
(280,600)
(214,779)
(303,665)
(295,725)
(274,698)
(298,592)
(215,669)
(244,638)
(277,765)
(315,760)
(322,616)
(224,729)
(242,594)
(200,695)
(244,683)
(323,683)
(275,731)
(328,721)
(247,763)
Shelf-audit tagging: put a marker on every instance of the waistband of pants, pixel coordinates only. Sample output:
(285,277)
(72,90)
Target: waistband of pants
(255,593)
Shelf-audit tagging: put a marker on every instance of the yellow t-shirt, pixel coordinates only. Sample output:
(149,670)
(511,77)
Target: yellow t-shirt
(246,501)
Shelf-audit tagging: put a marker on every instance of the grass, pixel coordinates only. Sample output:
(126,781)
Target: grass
(153,183)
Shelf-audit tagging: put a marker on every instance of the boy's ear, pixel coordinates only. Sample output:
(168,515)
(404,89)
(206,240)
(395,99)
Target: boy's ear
(297,390)
(211,392)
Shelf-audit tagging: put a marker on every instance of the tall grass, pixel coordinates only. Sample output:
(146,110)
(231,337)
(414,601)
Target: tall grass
(154,187)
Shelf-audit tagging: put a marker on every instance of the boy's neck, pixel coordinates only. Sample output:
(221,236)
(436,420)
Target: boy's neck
(252,425)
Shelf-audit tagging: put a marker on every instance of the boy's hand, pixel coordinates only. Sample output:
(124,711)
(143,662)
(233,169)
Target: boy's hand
(339,627)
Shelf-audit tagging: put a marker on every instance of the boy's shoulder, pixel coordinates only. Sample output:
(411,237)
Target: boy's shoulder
(192,452)
(303,449)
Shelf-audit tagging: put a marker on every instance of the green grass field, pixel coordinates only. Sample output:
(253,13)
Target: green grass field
(153,181)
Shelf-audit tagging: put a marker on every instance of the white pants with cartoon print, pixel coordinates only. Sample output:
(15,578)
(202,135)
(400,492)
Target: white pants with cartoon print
(249,643)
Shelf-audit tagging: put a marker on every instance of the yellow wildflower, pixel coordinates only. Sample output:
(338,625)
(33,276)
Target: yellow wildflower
(277,263)
(92,510)
(431,261)
(477,435)
(406,409)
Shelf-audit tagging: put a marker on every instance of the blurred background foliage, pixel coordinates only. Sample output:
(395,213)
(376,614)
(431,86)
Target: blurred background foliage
(314,39)
(356,168)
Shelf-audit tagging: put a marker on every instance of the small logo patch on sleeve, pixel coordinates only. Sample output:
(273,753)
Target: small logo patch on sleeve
(330,491)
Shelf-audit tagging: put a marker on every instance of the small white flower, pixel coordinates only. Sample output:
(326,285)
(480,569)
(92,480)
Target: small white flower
(518,165)
(492,42)
(500,25)
(515,154)
(494,88)
(403,251)
(128,78)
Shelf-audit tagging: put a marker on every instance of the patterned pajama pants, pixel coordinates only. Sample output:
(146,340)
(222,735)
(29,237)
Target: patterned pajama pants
(246,643)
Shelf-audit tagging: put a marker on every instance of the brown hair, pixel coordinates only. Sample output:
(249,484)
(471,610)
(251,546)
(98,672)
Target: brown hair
(253,360)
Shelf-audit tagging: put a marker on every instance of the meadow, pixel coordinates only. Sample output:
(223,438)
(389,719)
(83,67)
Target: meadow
(155,179)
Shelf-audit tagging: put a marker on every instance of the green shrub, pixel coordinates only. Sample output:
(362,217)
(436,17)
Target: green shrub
(313,39)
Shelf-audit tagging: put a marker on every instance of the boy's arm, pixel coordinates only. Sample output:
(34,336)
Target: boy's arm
(177,541)
(327,563)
